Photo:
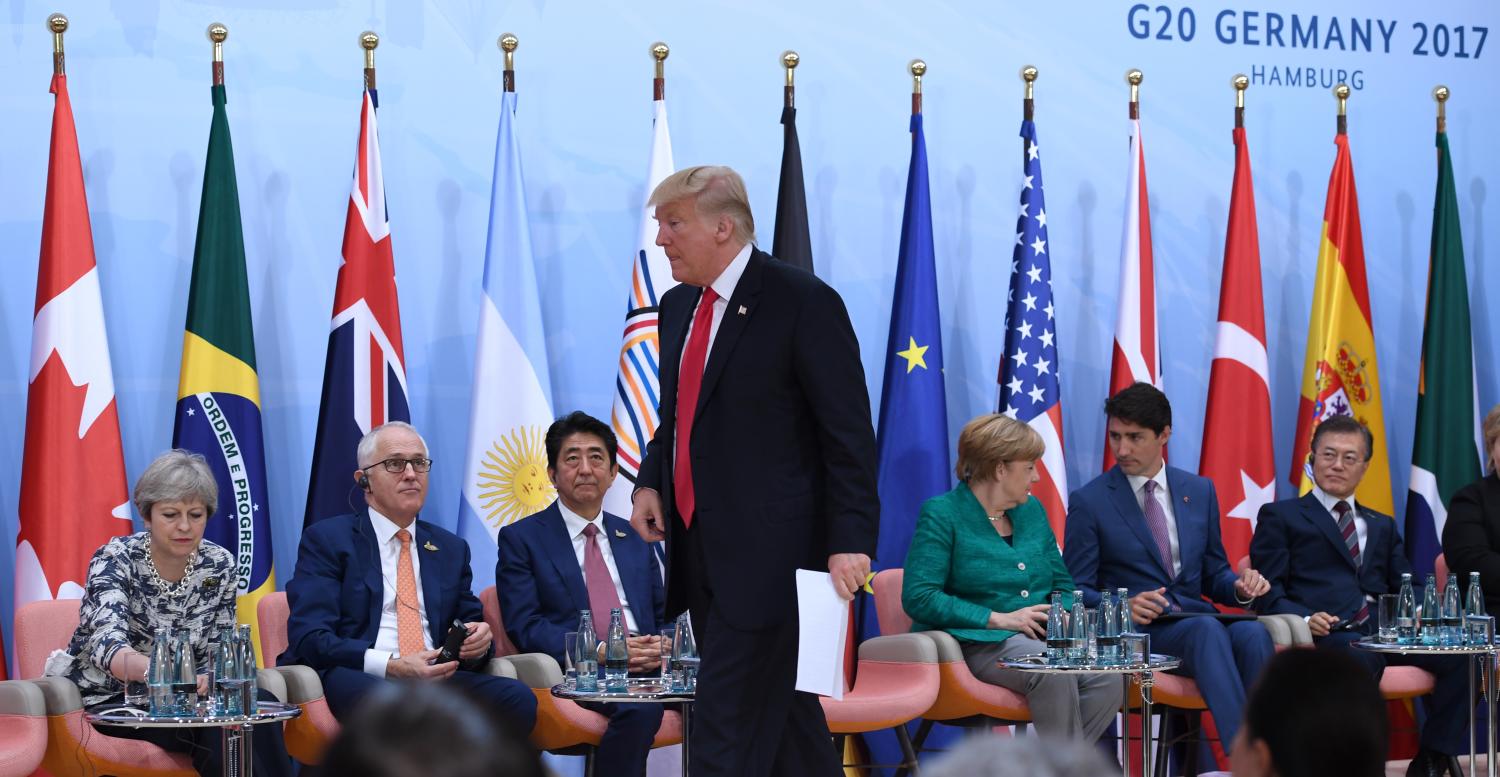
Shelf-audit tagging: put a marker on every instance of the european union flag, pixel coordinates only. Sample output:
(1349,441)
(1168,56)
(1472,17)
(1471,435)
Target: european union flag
(913,431)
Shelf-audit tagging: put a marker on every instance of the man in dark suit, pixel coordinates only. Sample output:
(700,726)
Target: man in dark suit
(1154,529)
(1329,559)
(573,556)
(375,593)
(764,463)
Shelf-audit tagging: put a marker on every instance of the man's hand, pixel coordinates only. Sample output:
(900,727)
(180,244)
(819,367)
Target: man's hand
(1146,606)
(477,644)
(1250,585)
(203,689)
(1027,621)
(645,653)
(849,571)
(646,516)
(418,666)
(1320,623)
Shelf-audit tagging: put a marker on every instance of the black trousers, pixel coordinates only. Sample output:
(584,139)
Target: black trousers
(206,745)
(748,718)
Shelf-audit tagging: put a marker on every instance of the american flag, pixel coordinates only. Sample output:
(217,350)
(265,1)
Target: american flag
(1030,389)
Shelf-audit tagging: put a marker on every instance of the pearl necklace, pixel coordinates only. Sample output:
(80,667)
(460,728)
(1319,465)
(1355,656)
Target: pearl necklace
(177,589)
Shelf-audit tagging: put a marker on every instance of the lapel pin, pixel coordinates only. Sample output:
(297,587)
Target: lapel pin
(429,546)
(744,310)
(619,534)
(1184,499)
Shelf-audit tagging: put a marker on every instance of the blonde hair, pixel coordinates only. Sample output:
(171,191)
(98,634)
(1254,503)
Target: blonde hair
(990,440)
(1491,429)
(717,191)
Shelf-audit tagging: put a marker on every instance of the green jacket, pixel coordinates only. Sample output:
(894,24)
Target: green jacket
(958,569)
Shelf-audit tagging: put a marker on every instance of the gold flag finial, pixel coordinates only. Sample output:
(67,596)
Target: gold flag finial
(218,33)
(789,60)
(1342,93)
(1134,77)
(918,69)
(659,52)
(58,24)
(1029,74)
(1241,82)
(508,43)
(1441,94)
(369,41)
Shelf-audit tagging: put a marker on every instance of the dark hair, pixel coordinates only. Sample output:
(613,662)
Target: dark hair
(578,422)
(1319,712)
(1343,424)
(1142,404)
(413,729)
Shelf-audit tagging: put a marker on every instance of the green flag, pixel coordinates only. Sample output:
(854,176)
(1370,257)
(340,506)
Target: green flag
(1444,456)
(218,395)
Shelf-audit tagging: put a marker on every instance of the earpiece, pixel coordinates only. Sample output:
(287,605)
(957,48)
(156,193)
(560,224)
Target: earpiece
(364,481)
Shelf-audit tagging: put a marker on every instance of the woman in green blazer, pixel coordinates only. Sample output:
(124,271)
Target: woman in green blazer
(981,567)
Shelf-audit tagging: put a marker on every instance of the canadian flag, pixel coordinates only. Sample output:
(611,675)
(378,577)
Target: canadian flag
(1237,453)
(1137,355)
(73,494)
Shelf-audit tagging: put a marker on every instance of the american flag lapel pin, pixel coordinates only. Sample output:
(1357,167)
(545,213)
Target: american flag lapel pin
(744,310)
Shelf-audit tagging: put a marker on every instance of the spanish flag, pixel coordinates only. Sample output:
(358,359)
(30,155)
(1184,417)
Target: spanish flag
(1339,376)
(218,395)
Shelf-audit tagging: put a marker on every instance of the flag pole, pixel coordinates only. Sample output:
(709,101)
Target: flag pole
(1134,77)
(659,52)
(1439,93)
(58,24)
(368,40)
(1028,105)
(1241,82)
(508,43)
(789,60)
(918,69)
(218,33)
(1342,93)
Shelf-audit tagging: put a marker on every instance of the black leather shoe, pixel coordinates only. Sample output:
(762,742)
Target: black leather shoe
(1429,763)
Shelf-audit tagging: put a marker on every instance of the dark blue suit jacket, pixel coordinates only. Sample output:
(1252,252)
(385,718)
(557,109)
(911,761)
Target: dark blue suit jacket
(336,590)
(1107,544)
(541,586)
(1297,546)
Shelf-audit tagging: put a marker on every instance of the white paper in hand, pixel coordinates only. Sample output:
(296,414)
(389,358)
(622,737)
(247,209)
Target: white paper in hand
(822,632)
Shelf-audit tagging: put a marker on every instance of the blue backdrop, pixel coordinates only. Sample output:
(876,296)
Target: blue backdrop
(139,77)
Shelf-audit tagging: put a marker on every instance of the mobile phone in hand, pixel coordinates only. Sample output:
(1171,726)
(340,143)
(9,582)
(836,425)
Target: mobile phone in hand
(453,643)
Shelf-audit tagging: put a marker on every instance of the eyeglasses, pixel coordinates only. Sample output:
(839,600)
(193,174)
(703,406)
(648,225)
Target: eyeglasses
(396,466)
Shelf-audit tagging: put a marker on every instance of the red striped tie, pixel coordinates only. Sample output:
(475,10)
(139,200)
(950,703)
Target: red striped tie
(689,381)
(1351,541)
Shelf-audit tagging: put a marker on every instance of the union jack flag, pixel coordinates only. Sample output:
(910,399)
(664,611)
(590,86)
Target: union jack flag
(364,379)
(1030,390)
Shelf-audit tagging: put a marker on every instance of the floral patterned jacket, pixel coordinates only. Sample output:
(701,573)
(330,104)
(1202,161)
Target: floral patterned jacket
(123,606)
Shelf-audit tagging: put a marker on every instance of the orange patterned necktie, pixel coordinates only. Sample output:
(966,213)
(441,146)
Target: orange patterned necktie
(408,616)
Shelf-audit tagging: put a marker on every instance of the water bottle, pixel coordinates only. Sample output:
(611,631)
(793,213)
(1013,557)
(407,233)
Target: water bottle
(1474,601)
(684,655)
(249,683)
(1109,630)
(616,653)
(1127,626)
(184,676)
(1078,643)
(227,672)
(1432,613)
(1057,631)
(1453,617)
(586,659)
(1406,612)
(159,675)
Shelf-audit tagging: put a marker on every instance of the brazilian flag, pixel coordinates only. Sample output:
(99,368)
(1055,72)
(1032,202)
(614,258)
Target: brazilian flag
(218,396)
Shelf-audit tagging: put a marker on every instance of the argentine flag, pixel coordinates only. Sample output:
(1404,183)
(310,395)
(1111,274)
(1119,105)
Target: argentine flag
(505,468)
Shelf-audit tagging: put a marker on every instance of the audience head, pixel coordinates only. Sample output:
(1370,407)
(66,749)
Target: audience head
(393,467)
(702,221)
(581,461)
(1029,756)
(1492,436)
(1312,713)
(997,454)
(1140,423)
(418,729)
(1341,449)
(175,496)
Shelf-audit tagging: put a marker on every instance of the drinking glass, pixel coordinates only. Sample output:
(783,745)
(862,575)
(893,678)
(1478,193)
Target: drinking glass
(570,647)
(1386,626)
(668,635)
(586,662)
(1136,647)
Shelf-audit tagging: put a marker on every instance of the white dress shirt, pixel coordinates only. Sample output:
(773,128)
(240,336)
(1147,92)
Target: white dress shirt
(386,645)
(1164,497)
(1361,530)
(576,524)
(724,287)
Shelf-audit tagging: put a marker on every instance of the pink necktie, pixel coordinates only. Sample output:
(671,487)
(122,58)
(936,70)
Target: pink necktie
(602,594)
(1156,521)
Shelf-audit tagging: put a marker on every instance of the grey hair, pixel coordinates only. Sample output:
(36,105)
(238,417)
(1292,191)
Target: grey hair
(1040,756)
(372,438)
(717,191)
(176,476)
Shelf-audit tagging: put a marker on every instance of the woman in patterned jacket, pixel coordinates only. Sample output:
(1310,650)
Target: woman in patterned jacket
(164,577)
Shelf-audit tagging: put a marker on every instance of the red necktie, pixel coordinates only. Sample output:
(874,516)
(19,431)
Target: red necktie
(689,381)
(602,594)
